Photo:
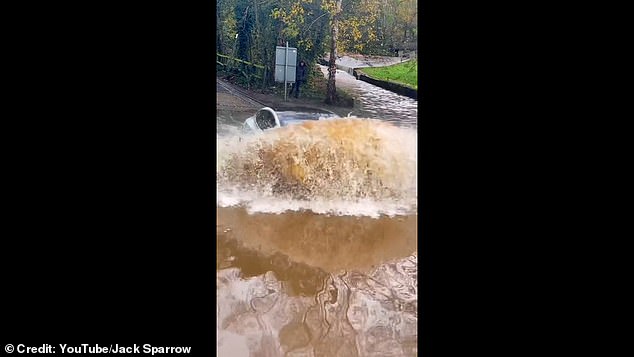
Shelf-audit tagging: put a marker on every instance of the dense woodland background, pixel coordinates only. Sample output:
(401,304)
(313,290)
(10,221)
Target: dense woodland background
(250,29)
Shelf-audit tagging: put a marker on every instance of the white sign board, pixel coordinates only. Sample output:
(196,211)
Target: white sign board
(285,59)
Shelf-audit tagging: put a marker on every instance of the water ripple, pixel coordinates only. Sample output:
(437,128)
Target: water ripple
(349,313)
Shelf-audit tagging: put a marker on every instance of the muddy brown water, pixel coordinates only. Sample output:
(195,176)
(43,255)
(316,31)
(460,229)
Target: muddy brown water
(323,276)
(330,243)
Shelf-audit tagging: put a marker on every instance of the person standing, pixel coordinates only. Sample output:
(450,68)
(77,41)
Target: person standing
(300,78)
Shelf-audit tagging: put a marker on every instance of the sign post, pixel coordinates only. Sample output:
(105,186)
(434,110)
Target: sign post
(285,69)
(285,65)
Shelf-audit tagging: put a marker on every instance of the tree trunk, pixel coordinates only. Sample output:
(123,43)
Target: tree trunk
(331,89)
(219,48)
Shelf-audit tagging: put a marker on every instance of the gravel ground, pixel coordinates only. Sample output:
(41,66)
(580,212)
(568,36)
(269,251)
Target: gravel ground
(231,98)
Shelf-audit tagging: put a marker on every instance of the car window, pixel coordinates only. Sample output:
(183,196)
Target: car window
(265,119)
(295,116)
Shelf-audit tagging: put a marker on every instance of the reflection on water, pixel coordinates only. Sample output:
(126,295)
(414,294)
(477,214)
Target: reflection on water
(317,240)
(275,300)
(323,241)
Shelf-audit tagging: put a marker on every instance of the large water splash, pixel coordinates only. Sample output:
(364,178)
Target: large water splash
(343,166)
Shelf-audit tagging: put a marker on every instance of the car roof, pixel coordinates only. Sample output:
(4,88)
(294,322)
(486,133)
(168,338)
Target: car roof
(288,117)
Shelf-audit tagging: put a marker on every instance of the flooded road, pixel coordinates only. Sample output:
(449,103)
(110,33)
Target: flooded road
(375,102)
(316,241)
(323,241)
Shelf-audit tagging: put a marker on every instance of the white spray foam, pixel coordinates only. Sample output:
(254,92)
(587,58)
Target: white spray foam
(358,167)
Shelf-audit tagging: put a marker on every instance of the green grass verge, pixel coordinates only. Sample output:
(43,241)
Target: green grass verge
(404,73)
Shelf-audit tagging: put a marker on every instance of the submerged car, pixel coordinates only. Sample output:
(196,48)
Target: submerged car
(267,118)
